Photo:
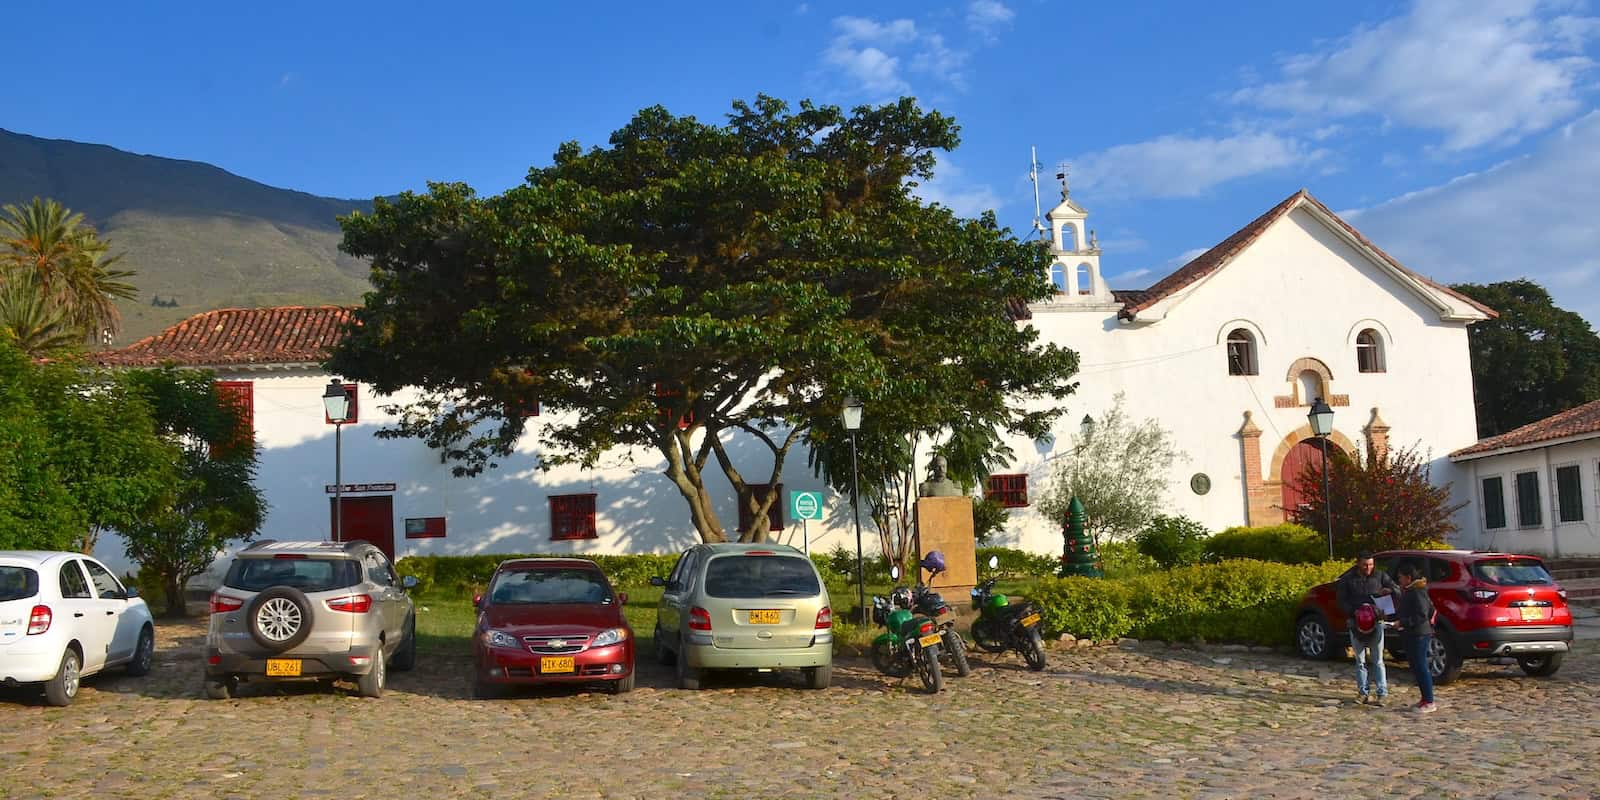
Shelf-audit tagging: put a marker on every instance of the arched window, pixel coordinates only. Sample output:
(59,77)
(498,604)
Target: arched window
(1241,352)
(1310,387)
(1369,351)
(1058,277)
(1069,238)
(1085,283)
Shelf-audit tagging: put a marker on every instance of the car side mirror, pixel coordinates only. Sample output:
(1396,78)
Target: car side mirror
(657,580)
(477,602)
(622,598)
(130,593)
(409,582)
(994,561)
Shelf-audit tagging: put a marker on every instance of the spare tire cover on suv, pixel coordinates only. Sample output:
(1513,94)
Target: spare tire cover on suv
(279,618)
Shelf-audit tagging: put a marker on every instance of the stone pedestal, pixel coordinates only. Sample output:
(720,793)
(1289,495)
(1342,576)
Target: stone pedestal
(945,524)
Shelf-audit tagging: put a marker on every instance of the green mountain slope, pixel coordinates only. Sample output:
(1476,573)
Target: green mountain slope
(194,233)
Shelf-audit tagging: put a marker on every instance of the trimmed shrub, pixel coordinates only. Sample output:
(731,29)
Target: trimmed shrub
(468,575)
(1088,608)
(1123,560)
(1286,544)
(1015,564)
(1172,541)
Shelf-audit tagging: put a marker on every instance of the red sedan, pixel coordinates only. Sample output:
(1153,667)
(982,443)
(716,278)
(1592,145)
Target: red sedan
(551,620)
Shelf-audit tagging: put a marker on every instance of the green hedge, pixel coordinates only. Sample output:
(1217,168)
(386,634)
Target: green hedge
(1286,544)
(468,575)
(1233,601)
(1016,564)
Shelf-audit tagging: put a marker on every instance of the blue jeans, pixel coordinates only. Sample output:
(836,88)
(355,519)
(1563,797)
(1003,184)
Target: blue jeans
(1417,654)
(1372,648)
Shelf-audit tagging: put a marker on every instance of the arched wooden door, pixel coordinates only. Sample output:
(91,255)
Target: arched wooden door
(1306,453)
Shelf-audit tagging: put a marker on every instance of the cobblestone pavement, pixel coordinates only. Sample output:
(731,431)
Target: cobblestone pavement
(1128,721)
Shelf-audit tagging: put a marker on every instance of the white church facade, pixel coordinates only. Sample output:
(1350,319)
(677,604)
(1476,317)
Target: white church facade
(1226,353)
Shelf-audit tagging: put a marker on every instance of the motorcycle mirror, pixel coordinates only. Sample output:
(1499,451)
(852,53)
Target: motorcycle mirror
(894,572)
(994,561)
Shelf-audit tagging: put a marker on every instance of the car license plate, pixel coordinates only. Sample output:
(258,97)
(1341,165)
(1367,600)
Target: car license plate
(1030,620)
(283,667)
(554,664)
(764,616)
(930,640)
(1532,612)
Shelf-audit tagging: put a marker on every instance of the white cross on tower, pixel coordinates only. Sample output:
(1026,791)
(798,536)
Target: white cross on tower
(1061,175)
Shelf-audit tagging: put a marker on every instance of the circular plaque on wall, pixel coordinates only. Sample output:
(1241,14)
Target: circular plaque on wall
(1200,483)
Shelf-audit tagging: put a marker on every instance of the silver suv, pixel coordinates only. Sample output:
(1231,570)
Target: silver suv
(309,610)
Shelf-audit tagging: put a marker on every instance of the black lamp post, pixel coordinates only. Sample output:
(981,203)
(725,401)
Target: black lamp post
(1321,417)
(852,423)
(1085,430)
(336,404)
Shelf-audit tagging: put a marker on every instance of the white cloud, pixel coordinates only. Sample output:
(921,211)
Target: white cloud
(949,189)
(875,56)
(1184,166)
(1529,217)
(1480,73)
(987,16)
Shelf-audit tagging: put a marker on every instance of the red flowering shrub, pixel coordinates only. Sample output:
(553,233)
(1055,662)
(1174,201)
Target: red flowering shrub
(1378,504)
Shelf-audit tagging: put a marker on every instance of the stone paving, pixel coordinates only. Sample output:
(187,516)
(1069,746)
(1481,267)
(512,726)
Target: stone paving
(1127,721)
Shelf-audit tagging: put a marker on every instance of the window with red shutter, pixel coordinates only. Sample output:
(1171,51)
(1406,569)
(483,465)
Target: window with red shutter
(572,516)
(523,408)
(774,514)
(665,397)
(1011,491)
(242,396)
(355,406)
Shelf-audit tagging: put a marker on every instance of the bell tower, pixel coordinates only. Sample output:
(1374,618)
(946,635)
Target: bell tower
(1074,251)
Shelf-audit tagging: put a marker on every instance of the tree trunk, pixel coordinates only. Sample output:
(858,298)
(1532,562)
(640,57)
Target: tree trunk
(177,605)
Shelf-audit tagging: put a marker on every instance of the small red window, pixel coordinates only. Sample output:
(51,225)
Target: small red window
(355,406)
(667,397)
(774,513)
(524,408)
(241,396)
(1010,490)
(572,516)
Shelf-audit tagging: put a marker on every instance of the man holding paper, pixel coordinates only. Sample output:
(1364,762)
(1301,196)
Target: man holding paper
(1358,586)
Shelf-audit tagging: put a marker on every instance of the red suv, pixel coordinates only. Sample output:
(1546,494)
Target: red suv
(551,620)
(1490,605)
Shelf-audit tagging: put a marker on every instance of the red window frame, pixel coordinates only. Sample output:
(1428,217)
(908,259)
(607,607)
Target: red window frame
(241,395)
(523,408)
(664,395)
(774,513)
(1011,490)
(355,406)
(572,517)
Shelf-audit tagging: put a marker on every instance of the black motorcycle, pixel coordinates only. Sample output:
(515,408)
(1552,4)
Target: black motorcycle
(1002,625)
(930,603)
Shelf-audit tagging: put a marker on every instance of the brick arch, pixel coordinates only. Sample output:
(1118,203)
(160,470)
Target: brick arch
(1295,436)
(1263,498)
(1293,377)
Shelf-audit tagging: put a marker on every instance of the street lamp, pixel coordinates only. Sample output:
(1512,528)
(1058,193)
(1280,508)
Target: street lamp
(1321,417)
(336,404)
(1086,427)
(851,415)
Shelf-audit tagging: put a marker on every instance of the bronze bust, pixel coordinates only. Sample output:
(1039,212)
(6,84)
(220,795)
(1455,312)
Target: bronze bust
(938,483)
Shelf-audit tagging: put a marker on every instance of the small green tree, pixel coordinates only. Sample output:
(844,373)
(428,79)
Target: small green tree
(988,518)
(1173,541)
(1378,504)
(1119,472)
(213,499)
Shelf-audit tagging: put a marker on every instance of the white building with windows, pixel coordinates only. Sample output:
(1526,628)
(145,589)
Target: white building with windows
(1536,489)
(1227,353)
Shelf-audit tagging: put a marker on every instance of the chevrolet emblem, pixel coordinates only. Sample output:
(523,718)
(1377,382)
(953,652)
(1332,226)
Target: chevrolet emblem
(558,642)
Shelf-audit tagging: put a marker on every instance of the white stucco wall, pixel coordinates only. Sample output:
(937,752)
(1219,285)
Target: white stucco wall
(1551,537)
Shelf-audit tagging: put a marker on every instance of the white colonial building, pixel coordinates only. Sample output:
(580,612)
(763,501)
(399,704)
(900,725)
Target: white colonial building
(1227,353)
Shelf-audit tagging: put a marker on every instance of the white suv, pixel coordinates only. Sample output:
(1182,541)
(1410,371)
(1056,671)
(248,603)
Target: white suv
(63,617)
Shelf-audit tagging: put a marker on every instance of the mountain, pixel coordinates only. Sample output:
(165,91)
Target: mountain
(194,233)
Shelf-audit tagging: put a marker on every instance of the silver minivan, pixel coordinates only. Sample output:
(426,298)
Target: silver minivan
(309,610)
(744,606)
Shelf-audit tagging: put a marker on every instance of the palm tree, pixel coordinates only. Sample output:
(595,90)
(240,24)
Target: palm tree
(32,324)
(56,252)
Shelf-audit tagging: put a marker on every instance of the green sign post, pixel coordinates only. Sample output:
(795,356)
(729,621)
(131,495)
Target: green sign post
(805,506)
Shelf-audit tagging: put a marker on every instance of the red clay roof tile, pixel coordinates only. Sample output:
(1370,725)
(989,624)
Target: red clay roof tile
(1572,422)
(237,336)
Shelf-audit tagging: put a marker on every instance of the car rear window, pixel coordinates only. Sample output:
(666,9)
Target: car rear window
(305,574)
(18,583)
(749,576)
(1512,572)
(548,587)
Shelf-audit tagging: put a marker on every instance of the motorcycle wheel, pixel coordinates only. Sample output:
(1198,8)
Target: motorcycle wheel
(1033,651)
(957,648)
(987,637)
(928,668)
(890,660)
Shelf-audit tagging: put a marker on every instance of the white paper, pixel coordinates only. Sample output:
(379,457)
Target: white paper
(1385,605)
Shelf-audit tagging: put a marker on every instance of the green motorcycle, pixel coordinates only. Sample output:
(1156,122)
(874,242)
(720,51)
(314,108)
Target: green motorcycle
(1002,625)
(910,641)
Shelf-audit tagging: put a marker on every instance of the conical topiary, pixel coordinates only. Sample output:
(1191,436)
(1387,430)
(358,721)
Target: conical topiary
(1079,556)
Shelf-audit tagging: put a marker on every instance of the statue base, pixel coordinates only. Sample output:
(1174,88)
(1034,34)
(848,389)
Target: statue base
(945,524)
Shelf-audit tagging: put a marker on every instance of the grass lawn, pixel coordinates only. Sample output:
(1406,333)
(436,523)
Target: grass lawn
(445,622)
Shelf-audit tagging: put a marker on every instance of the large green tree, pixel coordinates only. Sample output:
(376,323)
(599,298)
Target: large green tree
(51,249)
(692,285)
(1534,360)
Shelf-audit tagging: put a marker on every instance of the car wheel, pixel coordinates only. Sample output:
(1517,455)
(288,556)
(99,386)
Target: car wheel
(144,653)
(405,658)
(279,618)
(1313,638)
(1541,666)
(371,684)
(219,688)
(1444,658)
(60,690)
(819,677)
(688,677)
(664,655)
(623,686)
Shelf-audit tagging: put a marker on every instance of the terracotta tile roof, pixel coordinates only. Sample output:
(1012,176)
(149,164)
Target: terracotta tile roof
(234,336)
(1017,310)
(1572,422)
(1214,259)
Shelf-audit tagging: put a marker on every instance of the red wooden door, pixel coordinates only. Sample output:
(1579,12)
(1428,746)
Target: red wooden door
(370,519)
(1307,453)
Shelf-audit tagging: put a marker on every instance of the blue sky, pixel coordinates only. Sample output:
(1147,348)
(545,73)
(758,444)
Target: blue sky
(1460,136)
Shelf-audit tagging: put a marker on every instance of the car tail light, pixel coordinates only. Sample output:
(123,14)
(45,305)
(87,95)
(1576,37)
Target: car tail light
(825,618)
(927,627)
(1483,595)
(221,603)
(759,553)
(352,603)
(699,619)
(290,555)
(38,620)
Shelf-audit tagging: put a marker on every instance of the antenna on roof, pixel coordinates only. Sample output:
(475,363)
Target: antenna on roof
(1033,176)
